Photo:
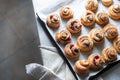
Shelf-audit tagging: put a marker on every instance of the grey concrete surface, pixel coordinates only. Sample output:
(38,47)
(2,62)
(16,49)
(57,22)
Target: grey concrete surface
(18,39)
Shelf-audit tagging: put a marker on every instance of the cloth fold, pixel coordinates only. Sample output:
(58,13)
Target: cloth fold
(41,72)
(53,68)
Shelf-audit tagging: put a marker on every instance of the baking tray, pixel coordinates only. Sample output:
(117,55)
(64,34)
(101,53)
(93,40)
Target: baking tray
(77,77)
(78,8)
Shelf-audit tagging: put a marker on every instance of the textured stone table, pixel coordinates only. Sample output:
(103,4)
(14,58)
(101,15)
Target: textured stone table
(18,39)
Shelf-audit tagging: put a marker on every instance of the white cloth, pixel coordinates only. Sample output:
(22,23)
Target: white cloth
(53,68)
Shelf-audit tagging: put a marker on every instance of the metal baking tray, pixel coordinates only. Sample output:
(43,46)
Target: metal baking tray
(85,30)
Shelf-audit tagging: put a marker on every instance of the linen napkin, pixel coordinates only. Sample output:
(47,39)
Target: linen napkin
(53,68)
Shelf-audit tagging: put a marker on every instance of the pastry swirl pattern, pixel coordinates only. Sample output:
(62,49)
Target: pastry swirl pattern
(85,43)
(95,61)
(116,44)
(72,51)
(102,17)
(63,36)
(88,18)
(109,54)
(66,12)
(114,11)
(81,67)
(97,35)
(74,26)
(91,5)
(110,31)
(53,20)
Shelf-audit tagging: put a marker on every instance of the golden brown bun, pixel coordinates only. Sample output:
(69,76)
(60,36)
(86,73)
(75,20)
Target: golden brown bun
(91,5)
(114,11)
(74,26)
(97,35)
(95,61)
(53,20)
(101,17)
(81,67)
(110,31)
(66,12)
(109,54)
(116,44)
(63,36)
(88,18)
(72,51)
(85,43)
(107,2)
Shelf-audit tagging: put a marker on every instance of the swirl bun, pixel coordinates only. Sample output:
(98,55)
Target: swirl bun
(81,67)
(102,17)
(114,11)
(53,20)
(116,44)
(88,18)
(110,31)
(95,61)
(109,54)
(97,35)
(66,12)
(91,5)
(74,26)
(107,2)
(85,43)
(63,36)
(72,51)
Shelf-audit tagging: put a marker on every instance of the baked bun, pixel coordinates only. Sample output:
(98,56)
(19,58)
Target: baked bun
(63,36)
(109,54)
(110,31)
(101,17)
(97,35)
(53,20)
(88,18)
(72,51)
(116,44)
(74,25)
(107,2)
(81,67)
(95,61)
(85,43)
(91,5)
(66,12)
(114,11)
